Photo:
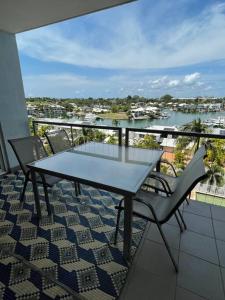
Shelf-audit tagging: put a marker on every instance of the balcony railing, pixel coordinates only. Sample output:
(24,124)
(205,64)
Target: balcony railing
(164,139)
(172,133)
(73,127)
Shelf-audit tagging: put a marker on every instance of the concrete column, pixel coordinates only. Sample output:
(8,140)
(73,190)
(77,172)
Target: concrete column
(13,114)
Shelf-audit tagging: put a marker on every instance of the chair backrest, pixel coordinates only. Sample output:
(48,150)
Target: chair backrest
(199,154)
(27,150)
(186,184)
(58,140)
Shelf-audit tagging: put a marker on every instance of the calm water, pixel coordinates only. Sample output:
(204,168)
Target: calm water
(176,118)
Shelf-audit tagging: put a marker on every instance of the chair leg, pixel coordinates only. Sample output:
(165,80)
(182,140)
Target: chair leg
(178,222)
(182,219)
(189,196)
(47,199)
(117,225)
(24,189)
(167,246)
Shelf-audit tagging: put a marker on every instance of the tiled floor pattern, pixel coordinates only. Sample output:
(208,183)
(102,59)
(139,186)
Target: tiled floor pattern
(200,254)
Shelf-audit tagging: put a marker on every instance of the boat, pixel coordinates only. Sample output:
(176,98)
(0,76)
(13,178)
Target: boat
(164,116)
(89,119)
(215,122)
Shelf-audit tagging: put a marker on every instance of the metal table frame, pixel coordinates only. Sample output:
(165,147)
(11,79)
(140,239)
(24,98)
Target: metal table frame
(128,203)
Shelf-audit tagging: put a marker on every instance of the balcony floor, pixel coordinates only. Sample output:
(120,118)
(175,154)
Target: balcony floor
(199,252)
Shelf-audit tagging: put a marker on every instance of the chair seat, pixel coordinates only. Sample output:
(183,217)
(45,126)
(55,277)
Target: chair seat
(161,205)
(172,181)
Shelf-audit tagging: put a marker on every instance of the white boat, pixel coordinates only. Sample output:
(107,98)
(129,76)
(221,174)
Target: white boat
(164,116)
(89,119)
(215,122)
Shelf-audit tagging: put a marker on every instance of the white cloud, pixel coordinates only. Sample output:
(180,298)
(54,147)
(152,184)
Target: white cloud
(73,85)
(159,82)
(126,45)
(173,83)
(191,78)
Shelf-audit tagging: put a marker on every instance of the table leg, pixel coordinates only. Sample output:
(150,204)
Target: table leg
(128,215)
(36,195)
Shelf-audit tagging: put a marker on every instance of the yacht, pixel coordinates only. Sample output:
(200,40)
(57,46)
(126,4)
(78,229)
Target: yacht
(164,115)
(89,119)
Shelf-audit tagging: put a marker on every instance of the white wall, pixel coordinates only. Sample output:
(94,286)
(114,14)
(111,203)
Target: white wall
(13,114)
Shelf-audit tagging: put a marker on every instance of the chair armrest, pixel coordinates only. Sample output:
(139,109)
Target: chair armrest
(164,161)
(164,183)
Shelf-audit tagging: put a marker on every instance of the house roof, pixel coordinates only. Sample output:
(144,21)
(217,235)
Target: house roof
(22,15)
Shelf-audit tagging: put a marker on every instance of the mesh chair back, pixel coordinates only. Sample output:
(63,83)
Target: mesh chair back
(199,154)
(27,150)
(58,140)
(186,184)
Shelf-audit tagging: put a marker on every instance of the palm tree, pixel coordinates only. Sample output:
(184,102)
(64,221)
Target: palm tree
(195,126)
(215,174)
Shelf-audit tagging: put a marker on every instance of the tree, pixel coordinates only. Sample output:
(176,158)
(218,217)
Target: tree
(195,126)
(94,135)
(179,159)
(41,130)
(129,114)
(215,152)
(166,98)
(113,140)
(148,141)
(215,174)
(30,125)
(115,109)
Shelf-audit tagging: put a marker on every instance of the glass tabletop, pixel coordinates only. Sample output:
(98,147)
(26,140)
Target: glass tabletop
(116,168)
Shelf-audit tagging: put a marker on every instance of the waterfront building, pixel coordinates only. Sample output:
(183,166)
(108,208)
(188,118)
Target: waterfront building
(32,110)
(53,111)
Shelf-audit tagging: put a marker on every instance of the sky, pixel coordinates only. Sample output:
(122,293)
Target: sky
(147,48)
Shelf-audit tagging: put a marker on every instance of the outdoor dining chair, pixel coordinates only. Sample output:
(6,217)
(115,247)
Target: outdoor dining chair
(158,209)
(27,150)
(170,181)
(59,141)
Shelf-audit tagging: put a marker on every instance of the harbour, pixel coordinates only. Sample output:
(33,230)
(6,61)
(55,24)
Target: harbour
(174,119)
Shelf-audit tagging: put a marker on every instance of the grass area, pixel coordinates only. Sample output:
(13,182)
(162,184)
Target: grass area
(210,199)
(114,116)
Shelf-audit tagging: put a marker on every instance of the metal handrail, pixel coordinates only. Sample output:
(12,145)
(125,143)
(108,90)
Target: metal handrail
(128,130)
(174,133)
(71,125)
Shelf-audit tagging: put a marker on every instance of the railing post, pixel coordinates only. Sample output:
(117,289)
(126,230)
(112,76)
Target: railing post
(34,127)
(120,136)
(127,137)
(71,132)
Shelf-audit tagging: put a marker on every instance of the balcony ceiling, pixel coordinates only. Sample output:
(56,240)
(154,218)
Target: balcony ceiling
(22,15)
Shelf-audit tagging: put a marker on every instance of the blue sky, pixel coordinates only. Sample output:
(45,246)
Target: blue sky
(145,48)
